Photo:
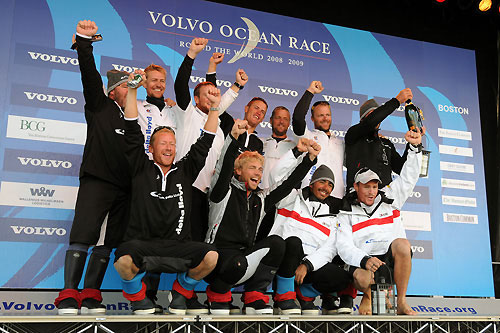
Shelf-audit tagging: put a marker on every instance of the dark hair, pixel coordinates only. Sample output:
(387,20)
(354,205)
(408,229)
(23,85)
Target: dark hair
(257,99)
(319,103)
(199,85)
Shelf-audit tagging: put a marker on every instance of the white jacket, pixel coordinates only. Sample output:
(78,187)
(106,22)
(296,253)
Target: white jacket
(331,155)
(309,220)
(360,234)
(273,151)
(150,118)
(188,126)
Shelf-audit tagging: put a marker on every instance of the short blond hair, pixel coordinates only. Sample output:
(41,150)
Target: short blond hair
(246,157)
(154,67)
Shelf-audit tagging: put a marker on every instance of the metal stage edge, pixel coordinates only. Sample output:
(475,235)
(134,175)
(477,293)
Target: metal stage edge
(243,323)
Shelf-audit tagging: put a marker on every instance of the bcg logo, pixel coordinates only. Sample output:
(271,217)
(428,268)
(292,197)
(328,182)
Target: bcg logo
(32,125)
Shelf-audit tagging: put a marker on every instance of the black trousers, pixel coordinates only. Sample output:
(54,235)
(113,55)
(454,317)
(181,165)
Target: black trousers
(97,199)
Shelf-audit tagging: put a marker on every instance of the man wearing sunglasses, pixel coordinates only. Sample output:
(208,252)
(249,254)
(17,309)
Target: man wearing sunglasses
(371,235)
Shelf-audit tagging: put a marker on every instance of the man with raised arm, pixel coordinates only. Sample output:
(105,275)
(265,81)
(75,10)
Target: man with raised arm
(191,120)
(158,235)
(365,147)
(332,152)
(104,182)
(371,233)
(237,206)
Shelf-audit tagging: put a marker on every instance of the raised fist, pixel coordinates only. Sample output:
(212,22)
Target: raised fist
(213,95)
(239,127)
(197,45)
(314,148)
(315,87)
(86,28)
(303,144)
(216,58)
(241,77)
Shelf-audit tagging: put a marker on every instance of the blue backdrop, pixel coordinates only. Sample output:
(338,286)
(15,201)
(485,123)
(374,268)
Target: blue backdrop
(43,126)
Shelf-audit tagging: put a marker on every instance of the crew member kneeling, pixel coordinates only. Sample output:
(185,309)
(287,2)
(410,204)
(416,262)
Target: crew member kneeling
(158,234)
(237,207)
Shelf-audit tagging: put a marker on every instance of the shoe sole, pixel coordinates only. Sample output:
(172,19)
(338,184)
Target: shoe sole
(344,311)
(220,312)
(87,311)
(310,312)
(329,312)
(289,312)
(67,312)
(144,311)
(179,312)
(252,311)
(196,311)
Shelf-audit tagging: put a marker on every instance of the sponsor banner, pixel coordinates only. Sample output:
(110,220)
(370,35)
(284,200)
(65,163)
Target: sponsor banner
(459,201)
(456,167)
(420,195)
(341,99)
(31,161)
(46,57)
(454,150)
(281,91)
(41,129)
(460,218)
(33,230)
(458,183)
(454,134)
(223,81)
(422,249)
(47,98)
(127,65)
(42,303)
(416,220)
(38,195)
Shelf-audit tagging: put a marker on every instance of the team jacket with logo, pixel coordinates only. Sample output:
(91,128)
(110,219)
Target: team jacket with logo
(190,122)
(161,204)
(332,148)
(235,217)
(104,151)
(300,214)
(361,234)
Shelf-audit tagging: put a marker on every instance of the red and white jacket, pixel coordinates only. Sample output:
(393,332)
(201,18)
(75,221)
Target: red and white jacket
(361,234)
(298,214)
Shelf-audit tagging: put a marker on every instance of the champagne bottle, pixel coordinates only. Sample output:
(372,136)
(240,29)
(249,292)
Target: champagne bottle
(414,116)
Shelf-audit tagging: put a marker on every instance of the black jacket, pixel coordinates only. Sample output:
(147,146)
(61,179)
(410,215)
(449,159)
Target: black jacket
(235,217)
(104,151)
(161,205)
(365,148)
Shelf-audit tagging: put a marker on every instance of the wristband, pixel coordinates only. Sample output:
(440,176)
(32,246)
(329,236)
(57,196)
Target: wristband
(214,109)
(239,86)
